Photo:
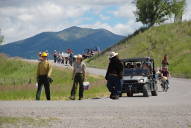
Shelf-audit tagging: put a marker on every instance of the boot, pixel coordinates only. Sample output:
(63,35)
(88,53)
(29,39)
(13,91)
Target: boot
(72,97)
(81,98)
(111,96)
(116,97)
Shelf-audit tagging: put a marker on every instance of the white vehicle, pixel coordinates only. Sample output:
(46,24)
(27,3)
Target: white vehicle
(138,79)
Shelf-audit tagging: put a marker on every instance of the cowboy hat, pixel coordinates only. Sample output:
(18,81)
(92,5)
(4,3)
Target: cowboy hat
(79,56)
(113,54)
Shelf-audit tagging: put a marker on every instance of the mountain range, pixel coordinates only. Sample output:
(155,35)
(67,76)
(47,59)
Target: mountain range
(76,38)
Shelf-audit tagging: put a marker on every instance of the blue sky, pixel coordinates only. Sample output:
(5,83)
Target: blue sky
(20,19)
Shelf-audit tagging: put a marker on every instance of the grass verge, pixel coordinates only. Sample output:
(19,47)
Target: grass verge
(18,80)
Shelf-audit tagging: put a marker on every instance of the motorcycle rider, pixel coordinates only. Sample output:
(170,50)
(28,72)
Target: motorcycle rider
(165,74)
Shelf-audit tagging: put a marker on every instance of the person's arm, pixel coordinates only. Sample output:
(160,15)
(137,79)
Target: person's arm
(84,71)
(120,70)
(107,73)
(73,74)
(49,70)
(38,71)
(74,71)
(162,74)
(168,74)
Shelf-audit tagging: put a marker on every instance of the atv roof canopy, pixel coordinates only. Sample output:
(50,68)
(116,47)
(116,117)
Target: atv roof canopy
(137,60)
(146,59)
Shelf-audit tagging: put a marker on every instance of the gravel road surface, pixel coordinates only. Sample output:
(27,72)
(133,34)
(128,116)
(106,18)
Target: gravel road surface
(168,110)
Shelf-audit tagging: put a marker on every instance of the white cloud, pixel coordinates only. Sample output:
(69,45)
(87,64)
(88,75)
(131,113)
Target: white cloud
(126,11)
(187,12)
(20,19)
(103,17)
(25,17)
(122,29)
(19,23)
(20,3)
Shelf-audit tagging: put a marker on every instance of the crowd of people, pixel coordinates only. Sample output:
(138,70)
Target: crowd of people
(90,52)
(63,57)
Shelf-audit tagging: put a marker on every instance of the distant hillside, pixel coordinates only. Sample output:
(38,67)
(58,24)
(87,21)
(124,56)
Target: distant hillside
(171,39)
(74,37)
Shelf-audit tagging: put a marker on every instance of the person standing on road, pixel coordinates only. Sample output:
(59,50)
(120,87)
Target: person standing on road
(71,56)
(55,56)
(114,76)
(165,61)
(79,75)
(44,71)
(39,56)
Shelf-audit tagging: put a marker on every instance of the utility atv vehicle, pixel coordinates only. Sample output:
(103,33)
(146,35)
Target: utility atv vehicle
(139,76)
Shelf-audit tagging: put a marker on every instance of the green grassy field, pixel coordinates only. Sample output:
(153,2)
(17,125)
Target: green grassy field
(18,80)
(171,39)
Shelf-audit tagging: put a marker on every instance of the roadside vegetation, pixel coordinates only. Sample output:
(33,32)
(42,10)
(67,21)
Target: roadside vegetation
(151,12)
(7,122)
(171,39)
(18,81)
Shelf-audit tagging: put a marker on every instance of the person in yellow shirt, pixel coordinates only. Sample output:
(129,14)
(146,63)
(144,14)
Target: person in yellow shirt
(44,71)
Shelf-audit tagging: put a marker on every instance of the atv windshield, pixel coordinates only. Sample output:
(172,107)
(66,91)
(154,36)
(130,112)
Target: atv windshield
(135,72)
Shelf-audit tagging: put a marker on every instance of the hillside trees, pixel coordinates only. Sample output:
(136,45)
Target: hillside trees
(178,7)
(151,12)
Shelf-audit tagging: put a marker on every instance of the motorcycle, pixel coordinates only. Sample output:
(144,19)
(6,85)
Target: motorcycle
(164,84)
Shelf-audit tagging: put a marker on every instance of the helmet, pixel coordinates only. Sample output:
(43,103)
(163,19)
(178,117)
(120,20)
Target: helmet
(44,54)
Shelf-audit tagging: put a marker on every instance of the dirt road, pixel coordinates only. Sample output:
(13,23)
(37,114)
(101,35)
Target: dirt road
(168,110)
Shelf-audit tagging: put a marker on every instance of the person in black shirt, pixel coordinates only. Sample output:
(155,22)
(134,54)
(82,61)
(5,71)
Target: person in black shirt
(165,73)
(114,75)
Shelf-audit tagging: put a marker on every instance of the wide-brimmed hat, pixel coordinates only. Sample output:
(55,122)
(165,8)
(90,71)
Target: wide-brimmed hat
(79,56)
(113,54)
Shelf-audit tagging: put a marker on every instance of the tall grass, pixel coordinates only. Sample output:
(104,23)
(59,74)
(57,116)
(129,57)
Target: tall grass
(171,39)
(18,80)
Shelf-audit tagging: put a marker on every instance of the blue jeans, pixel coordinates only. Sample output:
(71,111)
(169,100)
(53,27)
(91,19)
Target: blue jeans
(114,85)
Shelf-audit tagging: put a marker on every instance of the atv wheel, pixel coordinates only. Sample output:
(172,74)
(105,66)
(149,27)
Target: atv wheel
(130,94)
(154,93)
(145,91)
